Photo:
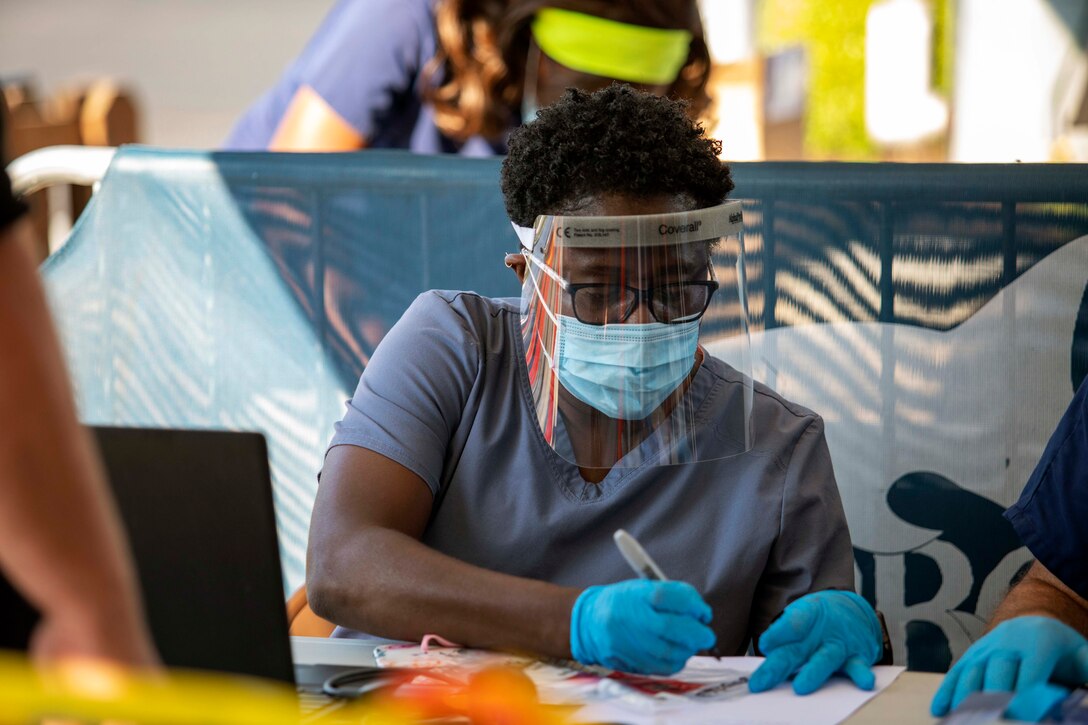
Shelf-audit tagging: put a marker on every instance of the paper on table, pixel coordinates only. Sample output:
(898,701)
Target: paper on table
(327,651)
(833,703)
(562,682)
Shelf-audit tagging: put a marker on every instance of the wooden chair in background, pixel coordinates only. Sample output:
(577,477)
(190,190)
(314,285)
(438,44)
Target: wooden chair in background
(99,113)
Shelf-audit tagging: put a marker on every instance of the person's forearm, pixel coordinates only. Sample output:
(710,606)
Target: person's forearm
(60,544)
(311,124)
(1040,594)
(386,583)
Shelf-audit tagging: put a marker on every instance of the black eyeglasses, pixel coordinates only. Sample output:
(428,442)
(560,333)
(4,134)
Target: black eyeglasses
(609,304)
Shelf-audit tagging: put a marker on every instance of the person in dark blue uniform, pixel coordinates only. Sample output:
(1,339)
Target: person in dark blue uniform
(1038,645)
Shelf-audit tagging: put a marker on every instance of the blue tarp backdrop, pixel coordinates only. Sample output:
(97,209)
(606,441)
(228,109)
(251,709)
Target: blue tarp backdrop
(934,315)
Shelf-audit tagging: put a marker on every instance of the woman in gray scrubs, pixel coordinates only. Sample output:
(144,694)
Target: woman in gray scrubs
(493,446)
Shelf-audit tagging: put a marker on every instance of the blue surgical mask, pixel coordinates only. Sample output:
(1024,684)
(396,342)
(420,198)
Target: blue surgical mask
(529,109)
(529,106)
(626,370)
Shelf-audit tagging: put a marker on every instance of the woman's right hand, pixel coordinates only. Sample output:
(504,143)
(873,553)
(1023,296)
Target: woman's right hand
(641,626)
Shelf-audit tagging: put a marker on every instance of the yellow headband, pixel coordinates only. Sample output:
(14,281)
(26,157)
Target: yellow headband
(607,48)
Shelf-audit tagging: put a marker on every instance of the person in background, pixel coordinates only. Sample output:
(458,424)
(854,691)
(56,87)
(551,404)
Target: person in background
(65,572)
(1036,646)
(455,76)
(493,446)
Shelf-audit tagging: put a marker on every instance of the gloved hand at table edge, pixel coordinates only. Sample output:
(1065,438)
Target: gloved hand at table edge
(816,636)
(1017,655)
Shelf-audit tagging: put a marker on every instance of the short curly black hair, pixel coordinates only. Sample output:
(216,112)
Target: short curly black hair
(617,140)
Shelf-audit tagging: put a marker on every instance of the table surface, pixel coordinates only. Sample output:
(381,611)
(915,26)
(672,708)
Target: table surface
(905,701)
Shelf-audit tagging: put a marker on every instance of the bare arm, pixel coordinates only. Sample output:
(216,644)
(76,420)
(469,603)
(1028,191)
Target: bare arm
(1042,593)
(311,124)
(60,543)
(368,570)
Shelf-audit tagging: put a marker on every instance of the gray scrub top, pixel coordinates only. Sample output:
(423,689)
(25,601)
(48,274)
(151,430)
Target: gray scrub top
(446,395)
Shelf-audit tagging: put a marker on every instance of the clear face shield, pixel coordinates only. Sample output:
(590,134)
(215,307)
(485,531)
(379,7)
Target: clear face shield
(616,315)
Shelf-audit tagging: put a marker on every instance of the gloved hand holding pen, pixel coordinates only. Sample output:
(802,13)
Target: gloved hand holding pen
(818,635)
(641,626)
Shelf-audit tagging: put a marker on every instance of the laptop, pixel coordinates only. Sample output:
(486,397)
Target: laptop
(197,507)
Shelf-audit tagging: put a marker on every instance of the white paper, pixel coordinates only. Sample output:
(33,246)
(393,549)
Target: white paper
(328,651)
(832,703)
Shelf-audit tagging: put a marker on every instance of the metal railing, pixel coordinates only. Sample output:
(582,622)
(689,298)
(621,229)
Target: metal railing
(54,169)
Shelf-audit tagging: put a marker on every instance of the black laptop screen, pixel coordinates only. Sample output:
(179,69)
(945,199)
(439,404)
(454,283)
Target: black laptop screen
(197,506)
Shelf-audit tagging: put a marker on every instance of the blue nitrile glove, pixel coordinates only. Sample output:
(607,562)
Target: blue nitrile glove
(818,635)
(643,626)
(1037,702)
(1017,654)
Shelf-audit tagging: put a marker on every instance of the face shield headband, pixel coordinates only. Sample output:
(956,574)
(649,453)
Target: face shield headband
(626,349)
(641,230)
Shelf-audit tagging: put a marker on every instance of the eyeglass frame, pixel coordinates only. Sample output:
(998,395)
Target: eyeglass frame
(642,294)
(571,288)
